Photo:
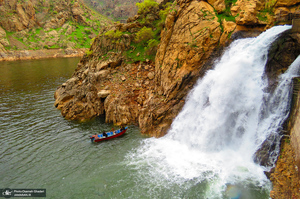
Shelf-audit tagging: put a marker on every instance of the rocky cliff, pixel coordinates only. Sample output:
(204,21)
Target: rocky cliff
(151,93)
(45,24)
(119,10)
(286,174)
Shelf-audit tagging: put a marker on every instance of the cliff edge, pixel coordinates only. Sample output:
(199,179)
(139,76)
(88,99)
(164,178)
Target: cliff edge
(28,25)
(140,72)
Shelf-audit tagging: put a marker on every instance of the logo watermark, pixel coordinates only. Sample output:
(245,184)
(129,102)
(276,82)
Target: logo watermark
(8,193)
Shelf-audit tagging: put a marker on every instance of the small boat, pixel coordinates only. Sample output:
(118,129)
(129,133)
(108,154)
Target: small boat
(108,135)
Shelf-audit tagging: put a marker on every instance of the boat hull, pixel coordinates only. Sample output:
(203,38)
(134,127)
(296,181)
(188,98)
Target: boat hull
(110,135)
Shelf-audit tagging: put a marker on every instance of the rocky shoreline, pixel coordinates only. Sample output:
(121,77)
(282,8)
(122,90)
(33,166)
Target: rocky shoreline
(41,54)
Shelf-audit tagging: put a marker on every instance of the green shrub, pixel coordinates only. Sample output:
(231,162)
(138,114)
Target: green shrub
(144,35)
(88,31)
(226,14)
(92,40)
(114,34)
(89,52)
(152,46)
(146,6)
(270,4)
(262,16)
(164,12)
(152,43)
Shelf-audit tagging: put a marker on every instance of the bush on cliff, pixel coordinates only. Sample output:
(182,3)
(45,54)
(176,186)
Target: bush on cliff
(114,34)
(146,6)
(152,46)
(144,35)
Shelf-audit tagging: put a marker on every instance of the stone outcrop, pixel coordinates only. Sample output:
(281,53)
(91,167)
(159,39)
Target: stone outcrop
(283,9)
(229,27)
(284,3)
(3,40)
(286,174)
(246,11)
(285,177)
(22,14)
(191,34)
(98,88)
(57,19)
(294,124)
(155,94)
(219,5)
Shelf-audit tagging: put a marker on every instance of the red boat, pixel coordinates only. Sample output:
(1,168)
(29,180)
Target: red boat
(108,135)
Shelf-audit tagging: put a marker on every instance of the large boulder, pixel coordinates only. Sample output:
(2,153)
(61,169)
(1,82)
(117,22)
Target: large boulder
(26,13)
(219,5)
(78,13)
(228,28)
(246,11)
(3,40)
(286,3)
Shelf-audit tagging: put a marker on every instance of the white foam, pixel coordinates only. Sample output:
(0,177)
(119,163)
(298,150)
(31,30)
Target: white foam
(220,127)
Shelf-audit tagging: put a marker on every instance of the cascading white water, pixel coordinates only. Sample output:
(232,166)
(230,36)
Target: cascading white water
(223,123)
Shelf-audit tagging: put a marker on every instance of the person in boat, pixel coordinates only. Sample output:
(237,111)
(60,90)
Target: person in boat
(94,137)
(104,134)
(113,130)
(122,128)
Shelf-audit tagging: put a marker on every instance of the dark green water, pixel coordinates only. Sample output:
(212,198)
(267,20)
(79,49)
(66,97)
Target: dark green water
(41,150)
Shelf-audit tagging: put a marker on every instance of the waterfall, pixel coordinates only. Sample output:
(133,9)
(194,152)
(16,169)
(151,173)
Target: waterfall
(226,118)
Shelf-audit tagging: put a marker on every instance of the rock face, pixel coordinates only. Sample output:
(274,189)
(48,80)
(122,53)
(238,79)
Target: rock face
(294,123)
(96,89)
(38,24)
(153,96)
(3,40)
(219,5)
(286,174)
(192,33)
(28,14)
(286,178)
(246,11)
(282,53)
(295,133)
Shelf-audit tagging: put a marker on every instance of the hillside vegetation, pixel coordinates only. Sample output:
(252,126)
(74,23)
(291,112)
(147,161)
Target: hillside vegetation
(46,24)
(117,10)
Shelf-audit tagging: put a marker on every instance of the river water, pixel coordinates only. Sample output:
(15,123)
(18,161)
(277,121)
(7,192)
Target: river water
(40,149)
